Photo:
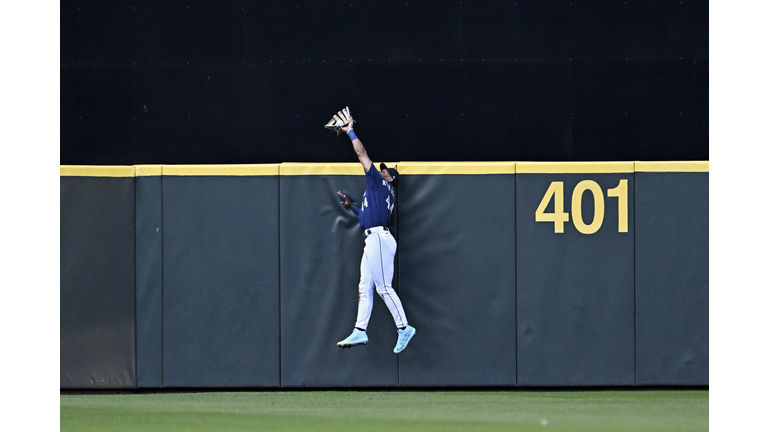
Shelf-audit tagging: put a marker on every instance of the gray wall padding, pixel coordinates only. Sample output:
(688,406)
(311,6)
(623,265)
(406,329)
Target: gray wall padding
(457,279)
(221,322)
(321,245)
(97,294)
(149,281)
(249,281)
(672,238)
(575,292)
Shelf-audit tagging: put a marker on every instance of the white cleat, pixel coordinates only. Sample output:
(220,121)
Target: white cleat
(403,337)
(358,337)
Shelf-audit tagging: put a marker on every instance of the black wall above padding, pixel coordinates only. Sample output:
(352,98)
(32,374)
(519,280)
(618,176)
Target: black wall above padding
(242,82)
(640,110)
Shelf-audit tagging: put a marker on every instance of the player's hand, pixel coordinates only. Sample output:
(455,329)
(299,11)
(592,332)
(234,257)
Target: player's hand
(345,201)
(347,127)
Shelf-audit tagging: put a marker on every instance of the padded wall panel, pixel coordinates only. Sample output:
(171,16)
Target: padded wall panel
(575,292)
(321,245)
(457,279)
(261,275)
(220,281)
(97,292)
(149,279)
(672,237)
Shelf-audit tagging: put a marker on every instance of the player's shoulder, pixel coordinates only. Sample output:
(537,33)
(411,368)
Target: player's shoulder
(372,169)
(373,173)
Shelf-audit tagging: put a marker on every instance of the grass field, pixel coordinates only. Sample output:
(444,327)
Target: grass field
(389,411)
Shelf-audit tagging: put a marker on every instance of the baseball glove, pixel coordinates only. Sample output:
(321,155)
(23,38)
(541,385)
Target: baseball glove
(341,119)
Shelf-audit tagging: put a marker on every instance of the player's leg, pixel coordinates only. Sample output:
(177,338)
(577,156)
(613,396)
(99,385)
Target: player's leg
(404,331)
(365,293)
(381,262)
(364,306)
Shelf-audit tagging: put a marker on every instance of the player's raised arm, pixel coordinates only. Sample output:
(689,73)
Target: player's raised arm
(362,154)
(343,121)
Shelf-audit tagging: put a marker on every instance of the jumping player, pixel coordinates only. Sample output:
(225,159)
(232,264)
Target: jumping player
(378,263)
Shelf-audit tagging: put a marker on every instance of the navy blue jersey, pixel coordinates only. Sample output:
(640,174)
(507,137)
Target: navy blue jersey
(378,201)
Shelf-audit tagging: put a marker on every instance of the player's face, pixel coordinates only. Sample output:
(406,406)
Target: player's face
(385,175)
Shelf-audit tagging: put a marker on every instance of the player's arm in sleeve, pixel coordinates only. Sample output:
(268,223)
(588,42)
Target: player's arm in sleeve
(362,154)
(346,202)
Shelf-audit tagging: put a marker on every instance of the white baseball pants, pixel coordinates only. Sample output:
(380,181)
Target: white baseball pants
(377,269)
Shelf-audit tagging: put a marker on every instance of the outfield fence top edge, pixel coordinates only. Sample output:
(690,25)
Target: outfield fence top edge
(405,168)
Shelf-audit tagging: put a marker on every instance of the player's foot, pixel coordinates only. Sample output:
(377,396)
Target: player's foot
(403,337)
(358,337)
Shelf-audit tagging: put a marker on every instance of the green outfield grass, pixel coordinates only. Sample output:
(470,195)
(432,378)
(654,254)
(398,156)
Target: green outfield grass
(389,411)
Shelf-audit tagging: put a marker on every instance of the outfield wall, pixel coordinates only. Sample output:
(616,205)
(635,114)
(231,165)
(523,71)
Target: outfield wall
(514,274)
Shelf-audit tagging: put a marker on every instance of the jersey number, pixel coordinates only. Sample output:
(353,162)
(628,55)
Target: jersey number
(559,217)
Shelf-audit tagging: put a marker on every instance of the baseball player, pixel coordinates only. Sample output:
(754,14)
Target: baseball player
(378,263)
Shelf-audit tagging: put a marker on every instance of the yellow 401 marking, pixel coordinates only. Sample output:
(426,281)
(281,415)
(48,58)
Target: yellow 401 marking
(559,217)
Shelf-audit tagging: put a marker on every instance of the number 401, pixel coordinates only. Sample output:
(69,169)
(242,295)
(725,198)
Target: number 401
(559,217)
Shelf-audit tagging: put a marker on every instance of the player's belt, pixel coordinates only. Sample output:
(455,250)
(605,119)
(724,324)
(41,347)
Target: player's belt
(370,231)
